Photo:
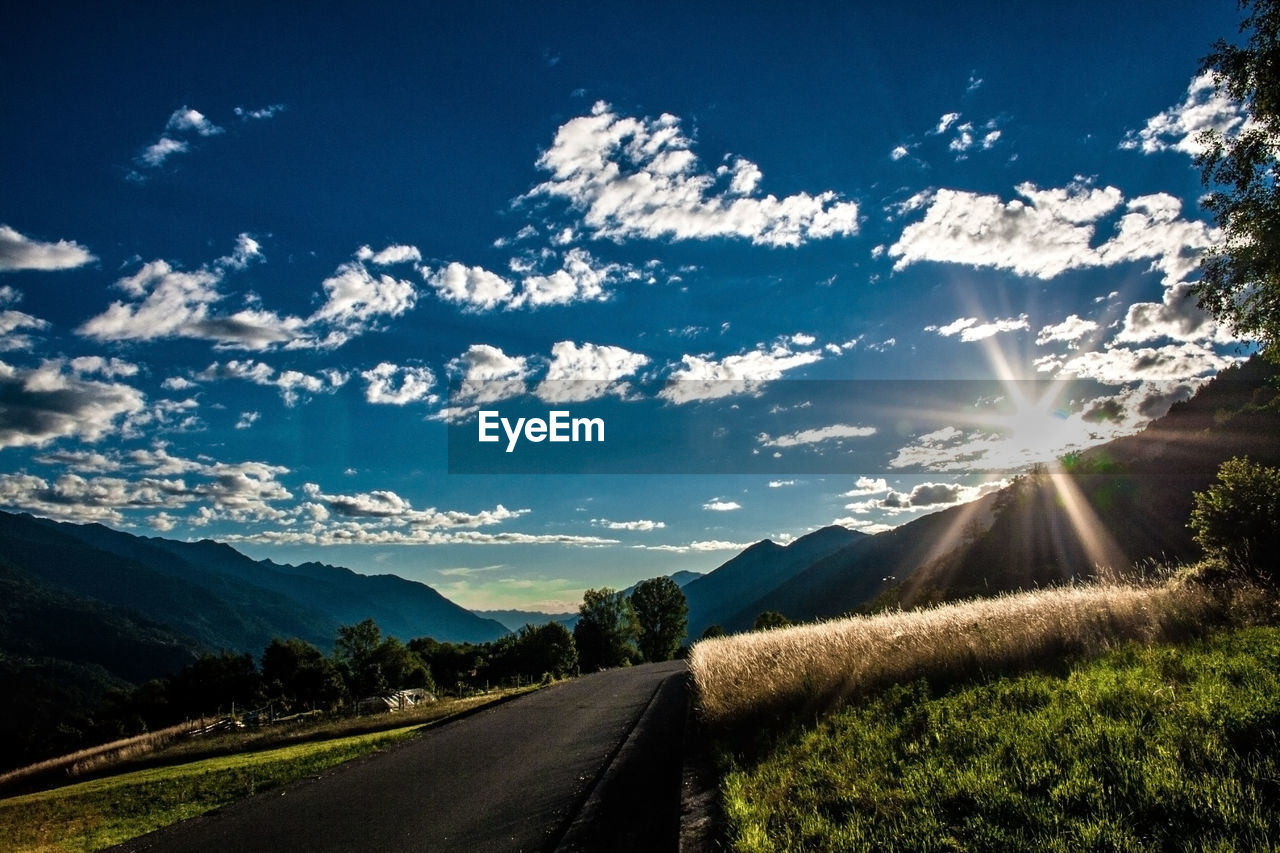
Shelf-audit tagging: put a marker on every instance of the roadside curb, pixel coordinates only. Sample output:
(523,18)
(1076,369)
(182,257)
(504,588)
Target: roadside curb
(699,792)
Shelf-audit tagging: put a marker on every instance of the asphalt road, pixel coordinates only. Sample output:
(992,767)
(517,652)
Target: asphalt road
(591,764)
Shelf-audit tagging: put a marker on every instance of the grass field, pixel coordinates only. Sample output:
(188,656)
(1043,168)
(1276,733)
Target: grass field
(102,812)
(758,679)
(1148,748)
(201,774)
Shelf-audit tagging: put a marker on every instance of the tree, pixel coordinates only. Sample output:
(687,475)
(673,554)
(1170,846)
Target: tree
(298,675)
(1237,521)
(606,630)
(663,617)
(770,619)
(1240,278)
(373,666)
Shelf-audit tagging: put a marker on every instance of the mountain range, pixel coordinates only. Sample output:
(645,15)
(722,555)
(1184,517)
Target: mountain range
(84,608)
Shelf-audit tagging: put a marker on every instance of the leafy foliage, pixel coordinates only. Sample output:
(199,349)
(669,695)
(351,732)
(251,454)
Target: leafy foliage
(1237,520)
(606,631)
(1240,281)
(663,616)
(770,619)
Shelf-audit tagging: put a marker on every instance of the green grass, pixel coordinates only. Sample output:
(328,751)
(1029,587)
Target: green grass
(102,812)
(1155,748)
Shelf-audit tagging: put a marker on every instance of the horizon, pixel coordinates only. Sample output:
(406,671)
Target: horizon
(259,278)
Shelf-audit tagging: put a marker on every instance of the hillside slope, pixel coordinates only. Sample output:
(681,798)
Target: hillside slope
(1106,509)
(719,596)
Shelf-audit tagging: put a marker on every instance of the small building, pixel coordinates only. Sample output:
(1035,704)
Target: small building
(400,700)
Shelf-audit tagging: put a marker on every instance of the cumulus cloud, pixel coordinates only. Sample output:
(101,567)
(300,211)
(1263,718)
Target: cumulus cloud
(816,436)
(484,374)
(579,278)
(638,178)
(151,480)
(474,288)
(290,383)
(49,402)
(866,486)
(969,329)
(398,385)
(15,324)
(700,377)
(1042,238)
(720,505)
(587,372)
(165,302)
(1117,365)
(386,504)
(183,122)
(1177,128)
(391,255)
(20,252)
(355,299)
(1069,331)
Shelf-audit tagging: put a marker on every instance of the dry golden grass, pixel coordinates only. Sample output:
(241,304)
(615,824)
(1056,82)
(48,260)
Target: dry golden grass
(812,669)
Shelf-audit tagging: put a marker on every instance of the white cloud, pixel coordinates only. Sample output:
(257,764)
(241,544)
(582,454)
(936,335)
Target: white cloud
(778,484)
(1070,331)
(1118,365)
(587,372)
(698,547)
(1045,238)
(260,113)
(703,378)
(866,486)
(162,149)
(247,419)
(355,300)
(486,375)
(391,255)
(816,436)
(640,525)
(970,330)
(638,178)
(579,278)
(1177,128)
(290,383)
(19,252)
(386,504)
(474,288)
(945,122)
(48,402)
(183,121)
(718,505)
(186,120)
(151,480)
(398,385)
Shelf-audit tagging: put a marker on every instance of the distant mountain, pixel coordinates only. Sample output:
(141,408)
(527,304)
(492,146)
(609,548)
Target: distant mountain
(720,596)
(1116,505)
(514,620)
(221,599)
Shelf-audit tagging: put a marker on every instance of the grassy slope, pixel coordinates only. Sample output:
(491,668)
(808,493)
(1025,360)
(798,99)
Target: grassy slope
(189,777)
(97,814)
(1148,748)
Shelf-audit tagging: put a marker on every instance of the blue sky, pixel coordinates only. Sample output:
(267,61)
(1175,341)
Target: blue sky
(261,268)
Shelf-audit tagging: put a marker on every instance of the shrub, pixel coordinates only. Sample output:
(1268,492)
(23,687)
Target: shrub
(1237,520)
